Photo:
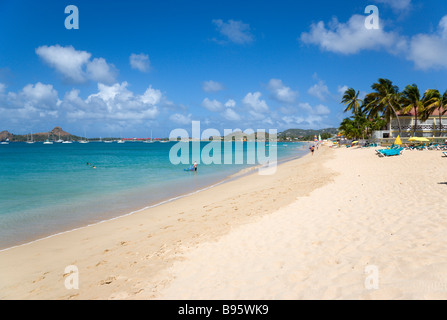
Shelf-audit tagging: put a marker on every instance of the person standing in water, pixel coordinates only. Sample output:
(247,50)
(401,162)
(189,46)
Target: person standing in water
(195,166)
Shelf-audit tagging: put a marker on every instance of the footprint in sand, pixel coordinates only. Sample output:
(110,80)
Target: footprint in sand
(119,296)
(100,263)
(43,277)
(109,280)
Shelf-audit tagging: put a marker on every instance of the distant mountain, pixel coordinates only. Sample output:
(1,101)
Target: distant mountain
(305,134)
(56,131)
(40,136)
(5,135)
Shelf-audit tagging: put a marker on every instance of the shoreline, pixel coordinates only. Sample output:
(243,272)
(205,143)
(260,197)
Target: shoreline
(156,235)
(313,230)
(237,175)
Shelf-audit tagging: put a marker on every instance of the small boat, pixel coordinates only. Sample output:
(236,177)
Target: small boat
(84,140)
(30,141)
(120,141)
(48,140)
(149,141)
(67,141)
(5,142)
(59,140)
(108,141)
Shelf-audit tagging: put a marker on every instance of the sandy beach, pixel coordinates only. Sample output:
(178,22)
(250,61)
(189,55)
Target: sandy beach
(313,230)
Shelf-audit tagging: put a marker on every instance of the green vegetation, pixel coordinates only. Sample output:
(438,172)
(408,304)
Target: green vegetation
(386,102)
(306,134)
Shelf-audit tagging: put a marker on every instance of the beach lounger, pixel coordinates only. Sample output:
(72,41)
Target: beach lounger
(444,153)
(390,152)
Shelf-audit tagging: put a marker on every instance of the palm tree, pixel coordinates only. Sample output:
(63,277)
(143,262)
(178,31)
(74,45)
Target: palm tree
(355,126)
(434,101)
(348,128)
(351,99)
(411,100)
(385,101)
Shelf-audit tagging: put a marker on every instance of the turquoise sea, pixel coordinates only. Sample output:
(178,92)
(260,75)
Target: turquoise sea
(47,189)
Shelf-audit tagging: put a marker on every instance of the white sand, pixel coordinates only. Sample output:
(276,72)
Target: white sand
(389,213)
(307,232)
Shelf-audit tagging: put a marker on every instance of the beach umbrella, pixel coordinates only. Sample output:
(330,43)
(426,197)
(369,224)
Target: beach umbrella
(319,137)
(398,141)
(315,138)
(418,139)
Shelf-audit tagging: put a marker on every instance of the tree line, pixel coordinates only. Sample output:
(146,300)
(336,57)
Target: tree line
(386,102)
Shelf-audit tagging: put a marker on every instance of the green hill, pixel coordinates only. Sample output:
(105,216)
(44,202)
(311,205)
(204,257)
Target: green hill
(306,134)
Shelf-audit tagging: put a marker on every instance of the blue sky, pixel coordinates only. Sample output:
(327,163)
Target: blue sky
(134,67)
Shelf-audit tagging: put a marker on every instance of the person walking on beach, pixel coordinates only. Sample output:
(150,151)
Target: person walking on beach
(312,149)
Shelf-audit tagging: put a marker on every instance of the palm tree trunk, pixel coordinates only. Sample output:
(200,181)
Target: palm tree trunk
(415,122)
(440,122)
(397,117)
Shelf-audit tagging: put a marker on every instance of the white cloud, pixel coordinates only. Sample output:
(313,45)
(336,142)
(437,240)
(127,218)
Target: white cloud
(152,96)
(322,110)
(98,70)
(317,110)
(40,96)
(180,118)
(212,86)
(230,103)
(319,90)
(342,89)
(235,31)
(351,37)
(307,121)
(66,60)
(212,105)
(33,102)
(231,115)
(140,62)
(281,92)
(114,102)
(253,101)
(2,87)
(75,65)
(110,106)
(428,51)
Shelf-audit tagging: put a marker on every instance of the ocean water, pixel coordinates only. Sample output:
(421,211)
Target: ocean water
(47,189)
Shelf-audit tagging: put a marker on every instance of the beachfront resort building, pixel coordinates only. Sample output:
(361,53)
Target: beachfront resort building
(434,126)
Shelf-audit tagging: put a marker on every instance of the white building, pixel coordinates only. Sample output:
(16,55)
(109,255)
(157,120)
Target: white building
(429,128)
